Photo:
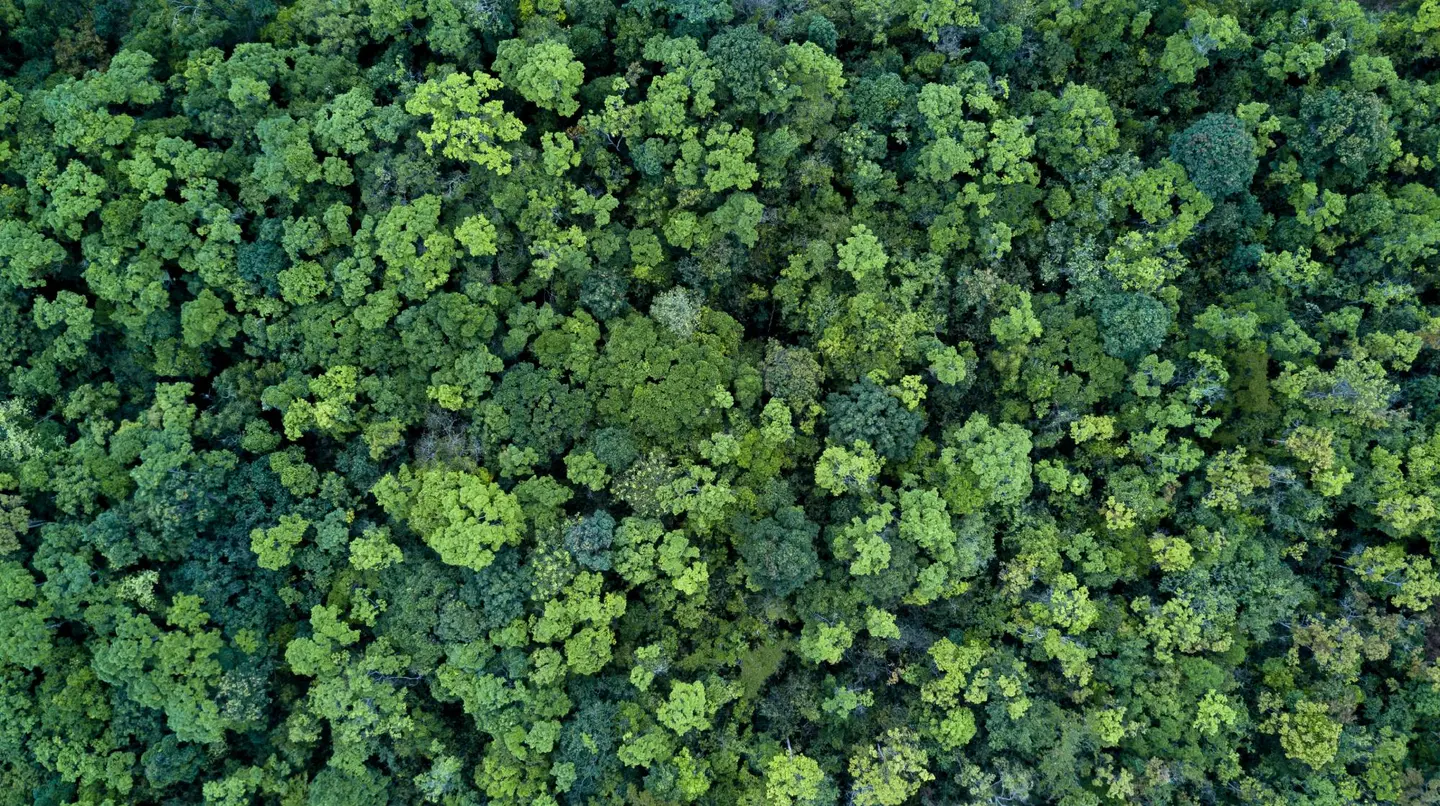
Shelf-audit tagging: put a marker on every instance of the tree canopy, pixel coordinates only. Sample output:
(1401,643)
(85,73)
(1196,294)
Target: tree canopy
(719,402)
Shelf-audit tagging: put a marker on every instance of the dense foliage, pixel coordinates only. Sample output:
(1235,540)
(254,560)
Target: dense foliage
(719,402)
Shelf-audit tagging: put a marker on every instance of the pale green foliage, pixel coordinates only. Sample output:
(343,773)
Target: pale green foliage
(463,516)
(792,779)
(464,125)
(854,469)
(477,235)
(1187,51)
(274,547)
(545,73)
(685,710)
(888,771)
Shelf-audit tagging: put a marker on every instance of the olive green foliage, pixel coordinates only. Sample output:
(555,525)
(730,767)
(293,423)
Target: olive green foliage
(666,402)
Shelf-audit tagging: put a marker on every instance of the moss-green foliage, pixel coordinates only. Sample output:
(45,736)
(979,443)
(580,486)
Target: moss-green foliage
(1218,155)
(660,402)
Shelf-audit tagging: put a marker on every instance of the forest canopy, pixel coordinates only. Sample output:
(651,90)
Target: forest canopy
(719,402)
